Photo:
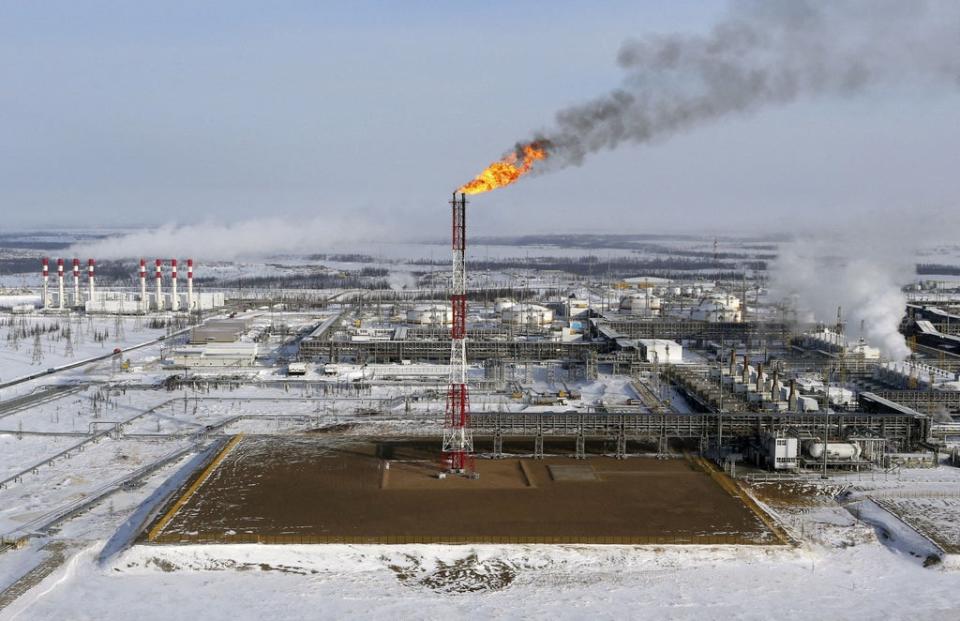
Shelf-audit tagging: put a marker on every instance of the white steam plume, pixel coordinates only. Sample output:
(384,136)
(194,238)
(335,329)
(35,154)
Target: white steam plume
(244,239)
(861,267)
(868,288)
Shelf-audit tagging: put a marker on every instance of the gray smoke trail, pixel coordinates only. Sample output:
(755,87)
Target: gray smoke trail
(766,52)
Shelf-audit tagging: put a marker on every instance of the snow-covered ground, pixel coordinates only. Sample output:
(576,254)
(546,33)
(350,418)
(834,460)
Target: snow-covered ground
(855,558)
(34,343)
(867,581)
(935,518)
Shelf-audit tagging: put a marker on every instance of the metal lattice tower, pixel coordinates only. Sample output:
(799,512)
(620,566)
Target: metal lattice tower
(457,436)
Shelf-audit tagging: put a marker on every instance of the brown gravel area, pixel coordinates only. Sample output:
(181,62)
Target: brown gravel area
(307,486)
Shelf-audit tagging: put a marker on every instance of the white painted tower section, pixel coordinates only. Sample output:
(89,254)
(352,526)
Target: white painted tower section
(174,300)
(159,278)
(76,282)
(60,283)
(144,304)
(45,271)
(190,285)
(90,274)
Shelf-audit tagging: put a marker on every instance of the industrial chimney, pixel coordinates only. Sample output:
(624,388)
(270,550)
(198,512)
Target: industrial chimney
(76,282)
(792,398)
(174,301)
(144,304)
(91,266)
(746,370)
(159,278)
(60,283)
(45,271)
(190,285)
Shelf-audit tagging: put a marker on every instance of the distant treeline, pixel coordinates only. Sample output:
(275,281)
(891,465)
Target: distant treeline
(581,240)
(374,272)
(613,267)
(333,280)
(704,254)
(107,272)
(33,245)
(938,268)
(20,266)
(345,258)
(627,240)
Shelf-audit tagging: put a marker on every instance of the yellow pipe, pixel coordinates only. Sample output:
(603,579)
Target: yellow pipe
(159,526)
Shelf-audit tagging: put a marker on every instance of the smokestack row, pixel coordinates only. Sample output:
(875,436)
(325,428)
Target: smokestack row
(174,279)
(61,285)
(91,292)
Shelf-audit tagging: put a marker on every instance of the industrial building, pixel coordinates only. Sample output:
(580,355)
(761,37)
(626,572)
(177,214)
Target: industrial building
(215,355)
(660,350)
(710,368)
(219,331)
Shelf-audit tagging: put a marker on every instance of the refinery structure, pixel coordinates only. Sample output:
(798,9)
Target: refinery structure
(700,364)
(687,347)
(669,391)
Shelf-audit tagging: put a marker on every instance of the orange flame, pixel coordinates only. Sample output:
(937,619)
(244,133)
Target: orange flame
(506,171)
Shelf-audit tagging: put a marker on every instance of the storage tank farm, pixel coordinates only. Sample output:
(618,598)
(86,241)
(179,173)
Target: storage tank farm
(500,406)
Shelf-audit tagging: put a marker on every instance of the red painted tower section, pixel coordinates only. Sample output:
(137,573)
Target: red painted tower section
(457,436)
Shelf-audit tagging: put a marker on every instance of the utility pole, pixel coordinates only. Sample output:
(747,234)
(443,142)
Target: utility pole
(826,430)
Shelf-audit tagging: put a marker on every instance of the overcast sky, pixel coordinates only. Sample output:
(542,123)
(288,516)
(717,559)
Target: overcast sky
(139,113)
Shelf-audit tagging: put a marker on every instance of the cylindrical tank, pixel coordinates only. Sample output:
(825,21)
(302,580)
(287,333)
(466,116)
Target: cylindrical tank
(431,314)
(846,451)
(524,314)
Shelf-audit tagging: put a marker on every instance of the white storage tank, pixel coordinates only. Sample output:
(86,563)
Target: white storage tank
(431,314)
(836,451)
(527,314)
(718,308)
(645,304)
